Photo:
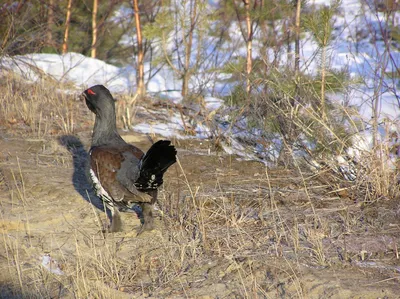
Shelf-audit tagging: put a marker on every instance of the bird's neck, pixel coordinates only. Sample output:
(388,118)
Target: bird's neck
(105,131)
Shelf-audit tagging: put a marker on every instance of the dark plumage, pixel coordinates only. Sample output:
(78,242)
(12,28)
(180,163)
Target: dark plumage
(121,173)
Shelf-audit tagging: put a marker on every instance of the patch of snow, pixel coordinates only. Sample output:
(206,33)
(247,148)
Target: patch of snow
(173,127)
(212,103)
(72,67)
(51,265)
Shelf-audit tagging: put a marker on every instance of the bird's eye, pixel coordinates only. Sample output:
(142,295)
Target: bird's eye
(91,92)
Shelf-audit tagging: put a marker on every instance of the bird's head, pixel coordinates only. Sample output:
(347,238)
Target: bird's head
(99,100)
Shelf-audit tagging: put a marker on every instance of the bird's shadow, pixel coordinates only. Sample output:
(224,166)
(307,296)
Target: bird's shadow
(79,178)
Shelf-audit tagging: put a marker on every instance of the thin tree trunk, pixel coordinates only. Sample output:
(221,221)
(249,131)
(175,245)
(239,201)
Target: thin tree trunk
(286,26)
(297,39)
(323,76)
(185,84)
(50,22)
(249,47)
(141,91)
(94,29)
(67,21)
(323,72)
(188,49)
(379,74)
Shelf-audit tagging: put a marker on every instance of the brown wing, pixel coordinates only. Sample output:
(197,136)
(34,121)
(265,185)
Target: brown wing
(117,169)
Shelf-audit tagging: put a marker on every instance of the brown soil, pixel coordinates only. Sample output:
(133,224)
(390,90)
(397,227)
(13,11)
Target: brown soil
(229,229)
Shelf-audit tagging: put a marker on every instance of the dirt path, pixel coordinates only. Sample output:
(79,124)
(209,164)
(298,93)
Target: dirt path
(229,229)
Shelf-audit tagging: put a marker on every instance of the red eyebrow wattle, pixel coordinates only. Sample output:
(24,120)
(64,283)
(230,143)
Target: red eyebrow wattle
(91,92)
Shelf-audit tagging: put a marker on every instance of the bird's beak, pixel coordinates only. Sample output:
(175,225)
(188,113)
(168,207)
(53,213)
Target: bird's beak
(83,97)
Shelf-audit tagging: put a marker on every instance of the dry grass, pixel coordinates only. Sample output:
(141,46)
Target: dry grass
(224,233)
(41,108)
(239,234)
(47,108)
(126,109)
(213,231)
(337,149)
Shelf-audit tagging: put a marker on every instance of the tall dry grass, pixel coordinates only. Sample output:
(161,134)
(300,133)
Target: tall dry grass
(206,234)
(39,108)
(46,107)
(254,234)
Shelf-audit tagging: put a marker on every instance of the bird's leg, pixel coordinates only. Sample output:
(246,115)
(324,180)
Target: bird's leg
(147,212)
(116,222)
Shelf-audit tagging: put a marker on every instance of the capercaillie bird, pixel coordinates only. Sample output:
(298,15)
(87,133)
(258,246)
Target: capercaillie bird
(121,174)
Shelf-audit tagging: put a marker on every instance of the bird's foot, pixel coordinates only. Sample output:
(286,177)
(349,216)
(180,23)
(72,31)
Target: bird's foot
(105,226)
(149,233)
(146,228)
(150,227)
(112,226)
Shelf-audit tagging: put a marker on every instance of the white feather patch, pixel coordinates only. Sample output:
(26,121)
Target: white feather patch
(99,190)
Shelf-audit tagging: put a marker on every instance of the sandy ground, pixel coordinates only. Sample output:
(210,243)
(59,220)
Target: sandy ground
(228,229)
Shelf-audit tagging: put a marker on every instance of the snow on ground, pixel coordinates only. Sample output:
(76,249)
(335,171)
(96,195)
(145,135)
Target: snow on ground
(180,126)
(72,67)
(173,127)
(359,48)
(85,71)
(212,103)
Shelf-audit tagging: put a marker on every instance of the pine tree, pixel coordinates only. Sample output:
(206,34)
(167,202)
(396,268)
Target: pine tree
(180,23)
(320,24)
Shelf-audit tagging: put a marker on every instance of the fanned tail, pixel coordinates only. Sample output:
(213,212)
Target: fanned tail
(154,164)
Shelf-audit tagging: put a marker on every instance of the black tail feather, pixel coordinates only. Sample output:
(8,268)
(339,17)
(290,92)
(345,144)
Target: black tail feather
(154,164)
